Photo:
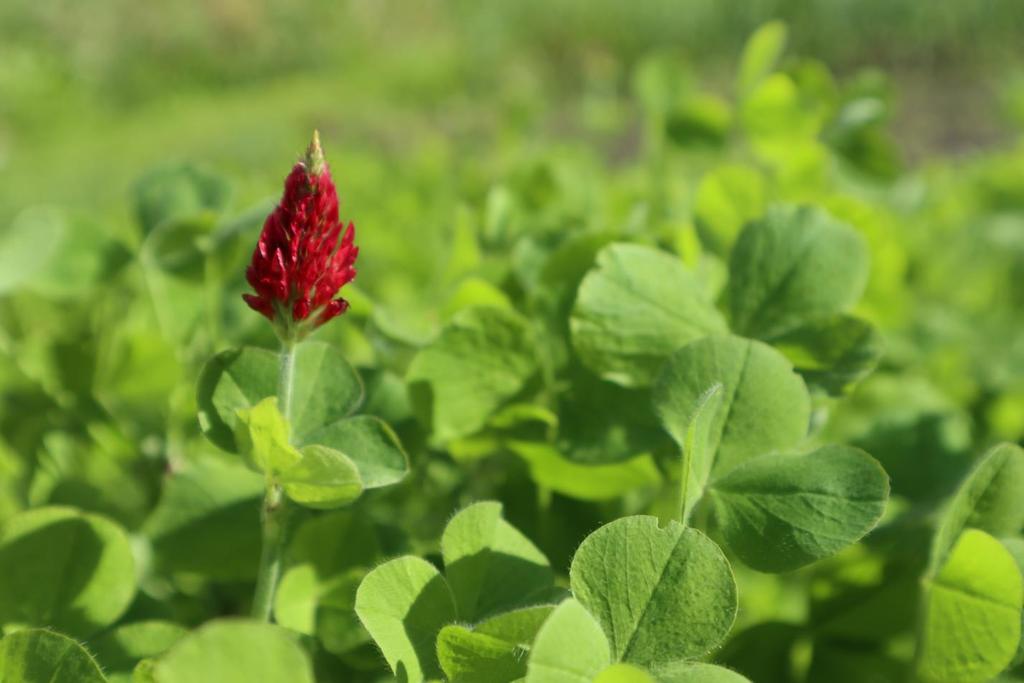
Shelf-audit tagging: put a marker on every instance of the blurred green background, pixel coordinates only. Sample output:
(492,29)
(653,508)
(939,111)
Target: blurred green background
(91,93)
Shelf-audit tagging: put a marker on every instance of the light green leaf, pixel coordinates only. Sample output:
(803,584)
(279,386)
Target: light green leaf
(971,622)
(28,244)
(490,565)
(727,197)
(483,357)
(661,594)
(207,522)
(760,55)
(322,479)
(570,647)
(624,673)
(494,651)
(262,436)
(695,447)
(120,649)
(404,604)
(41,656)
(64,568)
(636,307)
(1016,548)
(696,672)
(326,389)
(989,499)
(834,353)
(586,482)
(765,405)
(234,651)
(369,443)
(794,266)
(780,512)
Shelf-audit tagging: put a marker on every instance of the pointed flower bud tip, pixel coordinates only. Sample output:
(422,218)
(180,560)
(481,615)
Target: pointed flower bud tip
(314,158)
(305,254)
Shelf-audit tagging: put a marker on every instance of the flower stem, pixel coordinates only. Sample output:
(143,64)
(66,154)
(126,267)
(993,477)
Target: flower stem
(275,525)
(276,513)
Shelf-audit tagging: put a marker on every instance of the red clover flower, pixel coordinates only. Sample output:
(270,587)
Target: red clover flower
(302,258)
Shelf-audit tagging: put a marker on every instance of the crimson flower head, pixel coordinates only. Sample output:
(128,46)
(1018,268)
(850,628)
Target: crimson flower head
(304,254)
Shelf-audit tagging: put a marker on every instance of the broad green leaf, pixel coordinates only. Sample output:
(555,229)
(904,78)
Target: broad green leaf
(971,621)
(760,55)
(483,357)
(780,512)
(696,672)
(322,479)
(234,651)
(490,565)
(404,604)
(1016,548)
(624,673)
(570,647)
(207,521)
(121,648)
(492,651)
(792,267)
(262,436)
(325,389)
(636,307)
(65,569)
(369,443)
(175,192)
(765,405)
(727,197)
(41,656)
(989,499)
(833,353)
(661,594)
(586,482)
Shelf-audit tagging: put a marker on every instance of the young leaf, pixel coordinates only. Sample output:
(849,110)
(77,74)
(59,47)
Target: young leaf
(624,673)
(972,616)
(262,436)
(765,405)
(490,565)
(586,482)
(322,479)
(989,499)
(695,447)
(794,266)
(661,594)
(727,197)
(64,568)
(780,512)
(834,353)
(760,55)
(41,656)
(633,309)
(404,604)
(494,651)
(483,357)
(570,647)
(234,651)
(326,389)
(369,443)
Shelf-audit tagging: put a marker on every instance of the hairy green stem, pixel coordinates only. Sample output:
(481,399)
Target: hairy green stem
(275,515)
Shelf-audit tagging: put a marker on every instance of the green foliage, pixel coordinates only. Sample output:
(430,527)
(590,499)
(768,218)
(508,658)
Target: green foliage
(732,358)
(42,656)
(661,594)
(63,568)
